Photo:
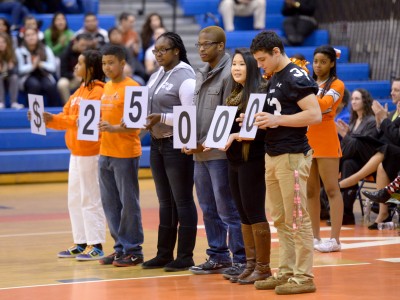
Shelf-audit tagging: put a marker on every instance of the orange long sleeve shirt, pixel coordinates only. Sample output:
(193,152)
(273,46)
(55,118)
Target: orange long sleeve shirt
(66,120)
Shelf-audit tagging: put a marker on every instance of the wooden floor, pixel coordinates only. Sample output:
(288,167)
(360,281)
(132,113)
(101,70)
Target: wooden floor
(34,226)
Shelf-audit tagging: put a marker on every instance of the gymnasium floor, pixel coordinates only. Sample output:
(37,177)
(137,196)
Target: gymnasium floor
(34,227)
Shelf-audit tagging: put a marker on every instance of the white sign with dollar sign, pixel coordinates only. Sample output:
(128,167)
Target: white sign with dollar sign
(36,107)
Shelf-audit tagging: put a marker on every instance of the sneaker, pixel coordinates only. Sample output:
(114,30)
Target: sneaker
(271,282)
(109,259)
(210,267)
(294,286)
(91,253)
(16,105)
(128,260)
(317,242)
(328,246)
(234,271)
(71,252)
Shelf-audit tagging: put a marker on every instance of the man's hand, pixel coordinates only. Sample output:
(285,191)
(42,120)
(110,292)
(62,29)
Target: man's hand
(104,126)
(380,112)
(342,128)
(187,151)
(264,120)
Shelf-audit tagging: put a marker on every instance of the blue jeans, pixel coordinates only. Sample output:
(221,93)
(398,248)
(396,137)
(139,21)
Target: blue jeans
(119,189)
(173,175)
(220,216)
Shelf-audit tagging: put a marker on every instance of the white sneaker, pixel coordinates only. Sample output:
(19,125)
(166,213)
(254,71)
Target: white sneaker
(317,242)
(2,105)
(17,105)
(328,246)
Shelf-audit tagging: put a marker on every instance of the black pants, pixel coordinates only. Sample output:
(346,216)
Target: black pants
(42,85)
(247,184)
(297,29)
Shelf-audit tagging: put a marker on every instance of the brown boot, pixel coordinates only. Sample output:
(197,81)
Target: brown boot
(249,248)
(262,241)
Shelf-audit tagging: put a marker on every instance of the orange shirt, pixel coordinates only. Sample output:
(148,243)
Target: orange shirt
(120,145)
(66,120)
(323,137)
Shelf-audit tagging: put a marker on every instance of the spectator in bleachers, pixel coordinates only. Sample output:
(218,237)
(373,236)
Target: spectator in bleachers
(30,22)
(133,68)
(362,123)
(243,8)
(130,37)
(16,10)
(323,139)
(91,26)
(5,26)
(8,72)
(150,62)
(299,20)
(43,6)
(69,58)
(58,35)
(36,67)
(153,21)
(387,149)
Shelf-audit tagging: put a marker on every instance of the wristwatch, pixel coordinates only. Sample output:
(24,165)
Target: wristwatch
(297,4)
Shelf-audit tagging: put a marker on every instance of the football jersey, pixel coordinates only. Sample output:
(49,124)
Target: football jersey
(286,88)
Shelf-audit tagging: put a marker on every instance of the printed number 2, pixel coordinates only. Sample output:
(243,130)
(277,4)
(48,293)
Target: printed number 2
(86,130)
(137,104)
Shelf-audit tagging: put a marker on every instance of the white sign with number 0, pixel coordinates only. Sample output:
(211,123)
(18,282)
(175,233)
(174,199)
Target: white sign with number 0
(184,129)
(89,118)
(135,106)
(36,107)
(221,126)
(255,105)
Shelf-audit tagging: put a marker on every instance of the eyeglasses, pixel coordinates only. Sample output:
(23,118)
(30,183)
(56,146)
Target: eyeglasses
(206,45)
(161,51)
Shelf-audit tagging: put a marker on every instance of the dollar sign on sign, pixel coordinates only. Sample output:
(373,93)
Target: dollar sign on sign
(38,119)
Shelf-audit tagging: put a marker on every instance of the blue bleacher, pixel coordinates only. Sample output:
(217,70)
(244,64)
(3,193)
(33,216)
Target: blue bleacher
(196,7)
(379,89)
(21,151)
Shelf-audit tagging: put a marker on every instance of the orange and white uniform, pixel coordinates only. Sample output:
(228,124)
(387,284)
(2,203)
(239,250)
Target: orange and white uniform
(119,145)
(323,137)
(84,203)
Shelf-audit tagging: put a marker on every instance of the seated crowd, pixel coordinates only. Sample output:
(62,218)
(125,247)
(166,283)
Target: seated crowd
(33,61)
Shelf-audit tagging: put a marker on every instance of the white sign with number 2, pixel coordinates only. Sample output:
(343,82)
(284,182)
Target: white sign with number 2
(89,118)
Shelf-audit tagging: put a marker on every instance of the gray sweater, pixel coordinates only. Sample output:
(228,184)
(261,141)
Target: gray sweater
(212,88)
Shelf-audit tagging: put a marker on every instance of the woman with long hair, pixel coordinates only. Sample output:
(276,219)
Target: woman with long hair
(323,139)
(36,67)
(153,21)
(58,35)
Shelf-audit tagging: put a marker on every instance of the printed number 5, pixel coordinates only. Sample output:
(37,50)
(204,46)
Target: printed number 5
(137,104)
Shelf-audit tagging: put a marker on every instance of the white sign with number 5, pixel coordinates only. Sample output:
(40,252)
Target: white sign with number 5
(89,118)
(221,126)
(255,105)
(184,129)
(36,107)
(135,106)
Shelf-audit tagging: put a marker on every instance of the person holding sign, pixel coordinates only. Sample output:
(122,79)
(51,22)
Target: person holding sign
(172,85)
(84,203)
(290,107)
(246,173)
(220,216)
(325,142)
(120,151)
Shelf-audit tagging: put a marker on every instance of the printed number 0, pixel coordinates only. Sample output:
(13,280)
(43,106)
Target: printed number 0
(137,104)
(181,117)
(216,137)
(86,130)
